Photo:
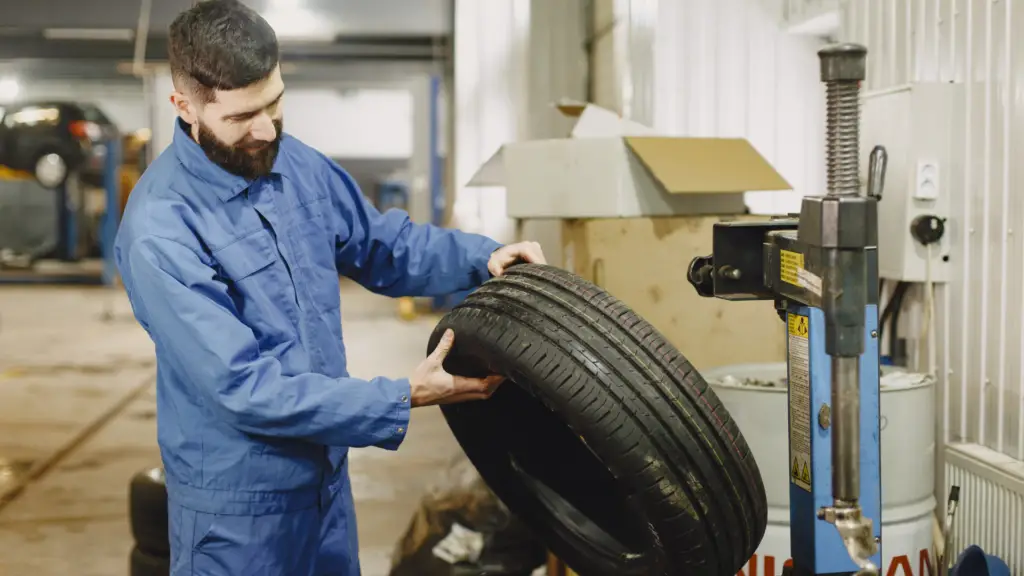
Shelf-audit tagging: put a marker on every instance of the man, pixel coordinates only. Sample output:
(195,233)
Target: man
(230,250)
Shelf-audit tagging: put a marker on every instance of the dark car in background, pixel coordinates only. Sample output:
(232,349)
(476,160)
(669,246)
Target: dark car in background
(51,139)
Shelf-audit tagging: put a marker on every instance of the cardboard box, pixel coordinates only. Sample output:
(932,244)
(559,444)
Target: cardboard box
(610,167)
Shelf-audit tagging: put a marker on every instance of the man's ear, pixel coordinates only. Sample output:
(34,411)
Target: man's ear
(186,111)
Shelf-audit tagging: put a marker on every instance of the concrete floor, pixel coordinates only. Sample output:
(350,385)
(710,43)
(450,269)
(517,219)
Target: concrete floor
(77,419)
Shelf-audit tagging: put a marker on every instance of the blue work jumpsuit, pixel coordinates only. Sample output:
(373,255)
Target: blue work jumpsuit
(236,282)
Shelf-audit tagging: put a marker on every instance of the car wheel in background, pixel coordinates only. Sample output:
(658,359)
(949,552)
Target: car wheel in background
(50,169)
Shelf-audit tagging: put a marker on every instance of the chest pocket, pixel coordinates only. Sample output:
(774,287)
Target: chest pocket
(247,256)
(260,288)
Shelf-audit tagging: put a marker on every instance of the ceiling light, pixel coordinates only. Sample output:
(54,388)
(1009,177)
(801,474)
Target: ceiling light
(299,24)
(9,89)
(124,34)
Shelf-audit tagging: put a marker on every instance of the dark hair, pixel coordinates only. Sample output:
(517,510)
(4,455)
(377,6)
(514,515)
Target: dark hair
(220,45)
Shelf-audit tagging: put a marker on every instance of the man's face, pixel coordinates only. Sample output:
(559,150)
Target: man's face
(241,129)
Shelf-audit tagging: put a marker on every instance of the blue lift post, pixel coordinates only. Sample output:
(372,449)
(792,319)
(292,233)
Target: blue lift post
(112,215)
(69,249)
(821,270)
(437,188)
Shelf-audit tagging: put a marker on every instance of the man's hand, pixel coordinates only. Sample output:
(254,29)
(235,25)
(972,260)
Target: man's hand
(432,385)
(505,256)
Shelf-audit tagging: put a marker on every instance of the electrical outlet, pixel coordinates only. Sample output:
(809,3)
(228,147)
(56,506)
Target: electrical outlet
(927,180)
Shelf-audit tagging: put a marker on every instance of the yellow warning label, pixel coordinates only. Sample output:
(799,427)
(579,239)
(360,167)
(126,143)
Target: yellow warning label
(796,469)
(797,325)
(805,475)
(791,264)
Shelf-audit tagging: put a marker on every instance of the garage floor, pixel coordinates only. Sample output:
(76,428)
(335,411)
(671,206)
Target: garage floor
(77,419)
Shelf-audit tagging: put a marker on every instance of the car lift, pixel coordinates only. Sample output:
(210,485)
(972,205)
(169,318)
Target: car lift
(68,221)
(821,269)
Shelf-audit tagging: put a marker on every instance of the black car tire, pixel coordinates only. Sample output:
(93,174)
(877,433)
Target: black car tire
(147,511)
(142,564)
(606,441)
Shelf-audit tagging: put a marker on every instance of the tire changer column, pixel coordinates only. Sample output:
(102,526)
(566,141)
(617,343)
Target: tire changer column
(821,269)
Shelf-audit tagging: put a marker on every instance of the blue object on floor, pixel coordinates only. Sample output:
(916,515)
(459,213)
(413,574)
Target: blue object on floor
(974,562)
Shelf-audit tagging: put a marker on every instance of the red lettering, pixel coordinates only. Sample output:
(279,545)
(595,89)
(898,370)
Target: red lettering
(769,566)
(899,566)
(924,565)
(897,562)
(751,567)
(924,561)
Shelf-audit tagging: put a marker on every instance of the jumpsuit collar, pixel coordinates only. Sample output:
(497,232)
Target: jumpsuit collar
(225,184)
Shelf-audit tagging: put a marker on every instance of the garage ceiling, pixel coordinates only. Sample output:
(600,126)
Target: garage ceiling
(379,17)
(309,29)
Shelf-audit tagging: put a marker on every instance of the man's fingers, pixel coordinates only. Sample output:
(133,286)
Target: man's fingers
(536,254)
(465,397)
(505,257)
(485,385)
(444,346)
(489,384)
(478,389)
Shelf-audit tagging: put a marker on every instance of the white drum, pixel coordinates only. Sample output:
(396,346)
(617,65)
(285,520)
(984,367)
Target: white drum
(755,395)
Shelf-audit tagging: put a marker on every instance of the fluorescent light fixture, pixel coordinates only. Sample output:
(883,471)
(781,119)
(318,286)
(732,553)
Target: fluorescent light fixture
(297,23)
(9,89)
(122,34)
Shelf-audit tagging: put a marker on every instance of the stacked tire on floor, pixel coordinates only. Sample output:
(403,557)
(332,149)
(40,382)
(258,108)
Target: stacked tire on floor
(605,440)
(147,513)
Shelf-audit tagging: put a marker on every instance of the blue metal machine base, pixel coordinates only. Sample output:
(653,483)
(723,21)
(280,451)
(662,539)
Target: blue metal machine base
(817,548)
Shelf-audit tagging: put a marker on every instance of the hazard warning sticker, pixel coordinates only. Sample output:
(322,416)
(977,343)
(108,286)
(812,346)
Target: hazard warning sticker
(790,263)
(799,402)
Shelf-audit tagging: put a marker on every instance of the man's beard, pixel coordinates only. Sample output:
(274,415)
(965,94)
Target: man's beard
(249,159)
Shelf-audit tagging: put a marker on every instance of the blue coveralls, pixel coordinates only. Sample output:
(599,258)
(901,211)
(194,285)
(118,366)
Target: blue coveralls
(236,282)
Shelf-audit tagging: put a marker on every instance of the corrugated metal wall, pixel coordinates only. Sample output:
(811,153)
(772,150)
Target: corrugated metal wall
(728,68)
(991,513)
(981,344)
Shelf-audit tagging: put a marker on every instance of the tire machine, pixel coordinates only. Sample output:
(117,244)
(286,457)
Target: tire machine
(821,269)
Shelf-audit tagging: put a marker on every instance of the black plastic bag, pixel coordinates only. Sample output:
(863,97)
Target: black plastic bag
(462,529)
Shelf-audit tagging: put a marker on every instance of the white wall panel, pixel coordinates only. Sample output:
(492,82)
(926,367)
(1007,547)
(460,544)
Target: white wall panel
(490,44)
(729,69)
(513,60)
(375,123)
(979,43)
(361,123)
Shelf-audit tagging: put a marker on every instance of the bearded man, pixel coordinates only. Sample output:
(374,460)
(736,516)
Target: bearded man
(230,249)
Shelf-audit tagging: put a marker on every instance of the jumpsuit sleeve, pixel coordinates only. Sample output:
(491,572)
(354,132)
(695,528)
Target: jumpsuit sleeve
(194,323)
(391,255)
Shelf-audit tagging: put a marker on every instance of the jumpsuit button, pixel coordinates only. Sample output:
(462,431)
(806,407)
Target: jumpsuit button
(401,430)
(405,398)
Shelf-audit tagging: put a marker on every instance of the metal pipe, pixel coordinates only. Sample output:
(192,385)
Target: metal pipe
(846,429)
(141,35)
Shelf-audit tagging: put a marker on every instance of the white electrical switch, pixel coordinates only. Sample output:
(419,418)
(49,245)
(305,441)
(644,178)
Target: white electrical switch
(927,180)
